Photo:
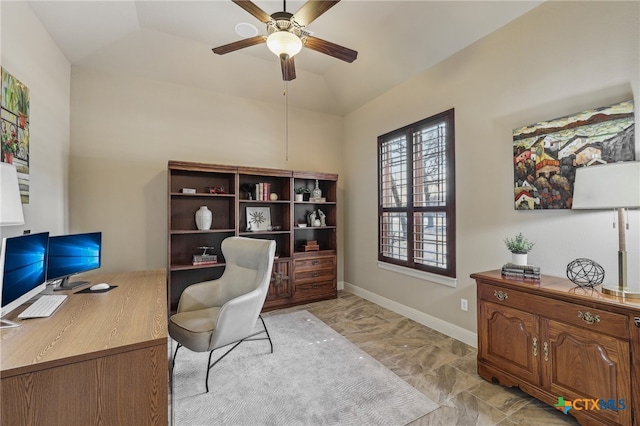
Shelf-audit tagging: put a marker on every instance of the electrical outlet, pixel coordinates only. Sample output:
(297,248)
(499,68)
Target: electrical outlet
(464,305)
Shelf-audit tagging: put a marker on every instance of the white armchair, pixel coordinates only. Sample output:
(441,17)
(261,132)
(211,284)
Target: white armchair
(218,313)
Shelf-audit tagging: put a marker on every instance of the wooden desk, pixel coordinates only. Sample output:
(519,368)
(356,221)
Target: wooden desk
(99,359)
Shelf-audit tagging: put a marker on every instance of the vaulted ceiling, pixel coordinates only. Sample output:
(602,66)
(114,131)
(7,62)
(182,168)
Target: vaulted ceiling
(172,41)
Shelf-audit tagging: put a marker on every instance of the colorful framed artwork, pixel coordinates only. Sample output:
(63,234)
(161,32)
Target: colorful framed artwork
(258,218)
(546,154)
(14,124)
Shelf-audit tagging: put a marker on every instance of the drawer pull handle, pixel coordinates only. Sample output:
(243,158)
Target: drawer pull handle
(315,262)
(315,274)
(500,295)
(535,346)
(546,351)
(588,317)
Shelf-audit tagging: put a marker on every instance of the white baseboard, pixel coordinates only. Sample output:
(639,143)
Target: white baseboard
(444,327)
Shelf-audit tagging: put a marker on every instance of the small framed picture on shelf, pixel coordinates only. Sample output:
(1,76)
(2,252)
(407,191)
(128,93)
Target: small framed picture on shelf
(258,219)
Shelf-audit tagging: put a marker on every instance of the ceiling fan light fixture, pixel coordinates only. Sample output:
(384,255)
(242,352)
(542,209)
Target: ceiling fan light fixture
(284,43)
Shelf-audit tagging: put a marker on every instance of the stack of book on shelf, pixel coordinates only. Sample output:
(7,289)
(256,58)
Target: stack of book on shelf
(204,259)
(511,270)
(263,189)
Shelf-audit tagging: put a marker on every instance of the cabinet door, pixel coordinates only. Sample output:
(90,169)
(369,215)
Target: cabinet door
(280,287)
(508,339)
(582,364)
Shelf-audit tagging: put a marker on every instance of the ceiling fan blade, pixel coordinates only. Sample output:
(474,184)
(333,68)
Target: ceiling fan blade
(330,49)
(312,10)
(288,68)
(241,44)
(260,14)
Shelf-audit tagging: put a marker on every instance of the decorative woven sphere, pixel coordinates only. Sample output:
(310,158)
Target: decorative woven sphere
(585,272)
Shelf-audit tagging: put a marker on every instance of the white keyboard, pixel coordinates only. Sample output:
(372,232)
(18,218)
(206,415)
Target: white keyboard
(45,306)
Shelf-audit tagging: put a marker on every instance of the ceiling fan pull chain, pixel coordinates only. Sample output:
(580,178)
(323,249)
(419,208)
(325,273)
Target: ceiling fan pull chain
(286,119)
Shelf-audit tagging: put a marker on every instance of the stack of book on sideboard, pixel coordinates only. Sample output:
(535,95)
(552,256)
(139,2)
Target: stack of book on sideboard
(511,270)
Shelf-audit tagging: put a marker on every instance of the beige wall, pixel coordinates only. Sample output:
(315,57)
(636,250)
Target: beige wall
(125,129)
(561,58)
(29,53)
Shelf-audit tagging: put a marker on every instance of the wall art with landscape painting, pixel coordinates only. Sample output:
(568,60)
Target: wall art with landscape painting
(546,154)
(14,119)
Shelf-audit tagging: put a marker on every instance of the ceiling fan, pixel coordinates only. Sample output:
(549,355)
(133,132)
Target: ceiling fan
(287,34)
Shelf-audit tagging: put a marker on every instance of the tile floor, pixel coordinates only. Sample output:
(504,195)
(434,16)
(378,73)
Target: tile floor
(441,367)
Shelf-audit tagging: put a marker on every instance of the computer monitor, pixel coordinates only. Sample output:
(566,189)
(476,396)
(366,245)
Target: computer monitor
(73,254)
(23,266)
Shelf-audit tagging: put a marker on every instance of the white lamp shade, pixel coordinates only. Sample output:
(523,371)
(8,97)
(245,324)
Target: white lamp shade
(284,43)
(10,202)
(607,186)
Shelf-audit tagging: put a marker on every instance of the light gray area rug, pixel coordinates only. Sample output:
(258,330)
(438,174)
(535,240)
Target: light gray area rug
(314,377)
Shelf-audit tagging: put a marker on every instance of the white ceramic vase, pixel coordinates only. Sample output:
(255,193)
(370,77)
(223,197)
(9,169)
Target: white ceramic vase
(203,218)
(519,259)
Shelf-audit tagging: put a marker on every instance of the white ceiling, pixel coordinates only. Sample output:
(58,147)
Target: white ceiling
(171,40)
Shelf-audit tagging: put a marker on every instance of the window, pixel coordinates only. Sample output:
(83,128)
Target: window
(416,196)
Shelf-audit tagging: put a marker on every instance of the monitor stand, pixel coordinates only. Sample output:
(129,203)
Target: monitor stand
(5,323)
(65,284)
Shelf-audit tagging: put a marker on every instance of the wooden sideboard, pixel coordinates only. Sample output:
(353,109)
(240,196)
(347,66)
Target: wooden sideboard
(99,359)
(553,339)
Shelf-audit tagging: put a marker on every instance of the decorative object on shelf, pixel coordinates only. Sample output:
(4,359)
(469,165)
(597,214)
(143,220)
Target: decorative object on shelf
(512,270)
(312,218)
(616,187)
(188,190)
(300,192)
(562,146)
(585,272)
(248,189)
(519,247)
(302,225)
(203,218)
(205,258)
(258,218)
(323,218)
(311,245)
(273,196)
(316,194)
(216,190)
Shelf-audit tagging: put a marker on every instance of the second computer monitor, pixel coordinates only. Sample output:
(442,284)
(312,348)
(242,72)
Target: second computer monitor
(73,254)
(22,269)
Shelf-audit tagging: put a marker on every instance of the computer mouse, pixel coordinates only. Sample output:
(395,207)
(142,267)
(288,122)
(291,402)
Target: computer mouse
(100,286)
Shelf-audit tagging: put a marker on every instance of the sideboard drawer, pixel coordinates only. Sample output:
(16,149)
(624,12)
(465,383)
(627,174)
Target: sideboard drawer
(582,316)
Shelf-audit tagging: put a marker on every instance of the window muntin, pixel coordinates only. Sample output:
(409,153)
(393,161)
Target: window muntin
(417,220)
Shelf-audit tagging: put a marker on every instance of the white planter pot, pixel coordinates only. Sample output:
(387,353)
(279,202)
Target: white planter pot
(203,218)
(519,259)
(298,197)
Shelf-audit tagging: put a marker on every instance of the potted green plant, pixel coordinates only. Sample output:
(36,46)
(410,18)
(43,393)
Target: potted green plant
(519,248)
(301,192)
